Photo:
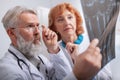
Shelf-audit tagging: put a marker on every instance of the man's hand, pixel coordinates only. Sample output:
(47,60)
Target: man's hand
(50,40)
(88,63)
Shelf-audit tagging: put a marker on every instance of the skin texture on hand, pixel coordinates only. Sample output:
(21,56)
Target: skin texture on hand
(88,63)
(72,50)
(50,40)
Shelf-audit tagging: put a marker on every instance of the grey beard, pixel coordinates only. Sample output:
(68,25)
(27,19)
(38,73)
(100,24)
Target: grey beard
(29,49)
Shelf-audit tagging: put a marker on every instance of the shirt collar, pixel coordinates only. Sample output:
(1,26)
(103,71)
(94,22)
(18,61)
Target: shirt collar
(78,41)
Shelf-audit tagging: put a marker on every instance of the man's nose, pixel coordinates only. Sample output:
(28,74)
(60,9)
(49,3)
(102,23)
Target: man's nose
(36,29)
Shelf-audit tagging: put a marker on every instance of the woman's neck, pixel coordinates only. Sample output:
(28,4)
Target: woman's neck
(70,38)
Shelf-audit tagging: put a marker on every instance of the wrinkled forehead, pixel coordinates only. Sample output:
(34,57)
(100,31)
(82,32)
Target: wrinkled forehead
(28,17)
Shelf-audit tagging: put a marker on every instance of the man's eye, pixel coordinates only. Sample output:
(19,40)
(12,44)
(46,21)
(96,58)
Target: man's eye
(30,26)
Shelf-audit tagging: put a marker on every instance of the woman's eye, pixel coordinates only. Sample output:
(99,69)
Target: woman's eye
(70,17)
(60,19)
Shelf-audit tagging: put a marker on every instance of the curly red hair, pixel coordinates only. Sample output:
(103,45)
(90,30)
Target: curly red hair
(58,10)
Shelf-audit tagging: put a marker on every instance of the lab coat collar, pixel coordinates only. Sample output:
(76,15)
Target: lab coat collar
(32,68)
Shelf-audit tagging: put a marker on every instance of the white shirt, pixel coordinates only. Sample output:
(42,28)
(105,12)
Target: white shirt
(11,70)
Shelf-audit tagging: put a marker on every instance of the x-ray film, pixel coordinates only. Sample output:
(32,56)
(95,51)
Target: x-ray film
(100,18)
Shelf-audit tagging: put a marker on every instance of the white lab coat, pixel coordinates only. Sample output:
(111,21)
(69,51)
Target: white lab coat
(103,74)
(10,69)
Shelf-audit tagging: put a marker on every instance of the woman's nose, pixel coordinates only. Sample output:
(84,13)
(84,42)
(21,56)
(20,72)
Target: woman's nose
(66,21)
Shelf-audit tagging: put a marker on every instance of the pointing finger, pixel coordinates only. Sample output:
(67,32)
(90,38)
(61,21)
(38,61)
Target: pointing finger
(94,43)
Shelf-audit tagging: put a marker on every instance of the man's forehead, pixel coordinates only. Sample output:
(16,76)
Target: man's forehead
(29,18)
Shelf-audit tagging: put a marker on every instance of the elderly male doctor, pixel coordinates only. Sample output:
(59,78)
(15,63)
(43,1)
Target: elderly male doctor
(24,60)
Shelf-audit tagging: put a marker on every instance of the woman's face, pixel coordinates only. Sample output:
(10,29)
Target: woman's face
(66,24)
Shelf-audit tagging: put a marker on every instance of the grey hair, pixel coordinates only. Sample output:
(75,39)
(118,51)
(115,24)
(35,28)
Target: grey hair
(11,18)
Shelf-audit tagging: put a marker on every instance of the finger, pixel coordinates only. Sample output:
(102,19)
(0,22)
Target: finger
(98,49)
(94,43)
(71,47)
(44,33)
(53,35)
(98,56)
(43,26)
(43,30)
(49,34)
(68,47)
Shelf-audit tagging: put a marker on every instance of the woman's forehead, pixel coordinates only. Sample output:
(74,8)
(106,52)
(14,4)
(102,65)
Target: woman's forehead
(65,12)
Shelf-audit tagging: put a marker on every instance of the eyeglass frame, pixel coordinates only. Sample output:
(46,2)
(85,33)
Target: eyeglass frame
(30,27)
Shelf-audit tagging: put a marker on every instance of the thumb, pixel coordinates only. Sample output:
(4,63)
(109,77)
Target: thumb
(94,43)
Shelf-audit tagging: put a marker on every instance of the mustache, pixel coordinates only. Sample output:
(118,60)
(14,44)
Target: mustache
(28,48)
(37,37)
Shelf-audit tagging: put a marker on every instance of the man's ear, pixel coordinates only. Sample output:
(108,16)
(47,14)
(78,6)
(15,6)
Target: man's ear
(11,33)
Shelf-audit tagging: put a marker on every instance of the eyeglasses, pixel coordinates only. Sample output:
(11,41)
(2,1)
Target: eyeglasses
(30,27)
(33,27)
